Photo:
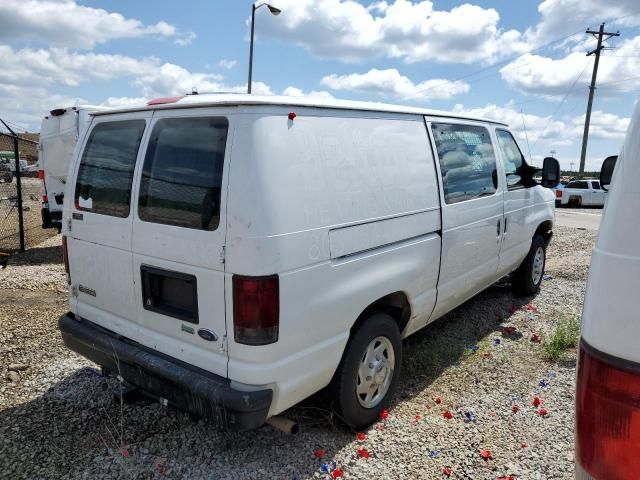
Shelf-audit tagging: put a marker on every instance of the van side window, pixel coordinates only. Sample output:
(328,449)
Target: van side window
(182,172)
(595,185)
(467,161)
(104,177)
(512,159)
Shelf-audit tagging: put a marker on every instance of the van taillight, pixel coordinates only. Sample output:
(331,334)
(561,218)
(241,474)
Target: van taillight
(558,193)
(256,309)
(65,258)
(607,417)
(41,174)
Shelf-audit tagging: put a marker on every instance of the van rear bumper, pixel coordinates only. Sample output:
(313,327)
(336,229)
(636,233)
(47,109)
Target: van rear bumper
(184,386)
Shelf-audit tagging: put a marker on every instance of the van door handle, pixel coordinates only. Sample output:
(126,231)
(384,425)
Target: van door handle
(505,224)
(498,228)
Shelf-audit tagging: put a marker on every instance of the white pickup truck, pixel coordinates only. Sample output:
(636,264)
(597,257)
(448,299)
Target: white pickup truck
(585,192)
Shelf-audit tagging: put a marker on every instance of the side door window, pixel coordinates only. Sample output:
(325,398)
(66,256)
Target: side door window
(512,159)
(103,183)
(467,161)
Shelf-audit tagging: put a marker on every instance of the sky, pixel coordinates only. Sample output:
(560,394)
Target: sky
(521,62)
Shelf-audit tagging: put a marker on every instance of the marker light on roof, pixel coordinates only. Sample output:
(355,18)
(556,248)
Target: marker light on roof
(163,100)
(292,115)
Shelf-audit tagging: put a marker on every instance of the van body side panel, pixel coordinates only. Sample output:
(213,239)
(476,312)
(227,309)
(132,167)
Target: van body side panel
(347,241)
(311,200)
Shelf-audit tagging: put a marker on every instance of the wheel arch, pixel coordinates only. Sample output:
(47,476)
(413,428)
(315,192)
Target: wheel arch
(545,231)
(395,304)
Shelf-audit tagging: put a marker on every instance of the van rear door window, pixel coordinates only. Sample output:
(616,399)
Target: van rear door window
(467,161)
(104,177)
(182,172)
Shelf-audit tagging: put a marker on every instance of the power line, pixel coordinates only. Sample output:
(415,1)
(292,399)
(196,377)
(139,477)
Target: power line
(565,97)
(504,62)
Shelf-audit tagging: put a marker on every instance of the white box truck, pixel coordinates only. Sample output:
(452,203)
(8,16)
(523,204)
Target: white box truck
(234,254)
(59,134)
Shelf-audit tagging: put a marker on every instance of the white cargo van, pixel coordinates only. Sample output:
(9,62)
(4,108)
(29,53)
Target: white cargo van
(608,383)
(234,254)
(59,134)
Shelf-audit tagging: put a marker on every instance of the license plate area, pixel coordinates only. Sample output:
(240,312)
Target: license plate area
(169,293)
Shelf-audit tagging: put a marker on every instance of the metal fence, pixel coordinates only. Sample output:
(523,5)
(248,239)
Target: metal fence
(20,193)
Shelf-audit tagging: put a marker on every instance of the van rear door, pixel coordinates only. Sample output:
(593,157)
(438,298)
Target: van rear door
(99,222)
(179,237)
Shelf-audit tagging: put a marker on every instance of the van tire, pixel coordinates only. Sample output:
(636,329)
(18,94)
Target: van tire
(343,388)
(523,279)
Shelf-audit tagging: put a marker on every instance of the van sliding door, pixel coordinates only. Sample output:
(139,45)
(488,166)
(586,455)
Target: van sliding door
(472,210)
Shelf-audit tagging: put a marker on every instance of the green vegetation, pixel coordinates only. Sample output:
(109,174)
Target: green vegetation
(564,337)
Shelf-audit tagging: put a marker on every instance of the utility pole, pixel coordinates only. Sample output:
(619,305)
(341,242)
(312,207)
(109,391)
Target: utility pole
(599,35)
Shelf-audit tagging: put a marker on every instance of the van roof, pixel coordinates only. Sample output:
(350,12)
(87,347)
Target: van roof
(236,99)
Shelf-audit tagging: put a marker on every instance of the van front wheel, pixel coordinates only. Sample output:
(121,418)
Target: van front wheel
(368,374)
(527,278)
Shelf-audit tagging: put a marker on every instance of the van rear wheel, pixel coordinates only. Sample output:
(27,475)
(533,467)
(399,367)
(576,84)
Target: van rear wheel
(526,280)
(368,373)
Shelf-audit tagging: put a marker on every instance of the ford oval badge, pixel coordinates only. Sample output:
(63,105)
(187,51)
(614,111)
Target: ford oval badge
(207,335)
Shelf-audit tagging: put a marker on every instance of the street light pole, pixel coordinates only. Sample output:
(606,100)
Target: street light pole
(274,11)
(253,22)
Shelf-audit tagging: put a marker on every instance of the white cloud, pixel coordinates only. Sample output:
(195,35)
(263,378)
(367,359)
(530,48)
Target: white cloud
(65,23)
(27,75)
(348,31)
(541,75)
(297,92)
(538,128)
(186,39)
(227,64)
(545,133)
(28,105)
(391,83)
(57,65)
(562,17)
(603,125)
(124,102)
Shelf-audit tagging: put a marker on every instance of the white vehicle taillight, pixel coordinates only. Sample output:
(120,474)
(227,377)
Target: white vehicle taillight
(607,417)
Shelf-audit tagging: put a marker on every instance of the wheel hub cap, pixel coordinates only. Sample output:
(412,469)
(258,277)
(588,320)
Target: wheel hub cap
(375,372)
(538,266)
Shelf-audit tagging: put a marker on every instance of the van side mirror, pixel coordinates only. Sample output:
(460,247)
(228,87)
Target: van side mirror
(550,172)
(606,172)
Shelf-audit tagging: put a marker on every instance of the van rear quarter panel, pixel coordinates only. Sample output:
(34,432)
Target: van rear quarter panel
(610,318)
(344,207)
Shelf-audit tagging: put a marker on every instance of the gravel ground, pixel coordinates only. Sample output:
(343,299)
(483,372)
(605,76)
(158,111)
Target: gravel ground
(59,418)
